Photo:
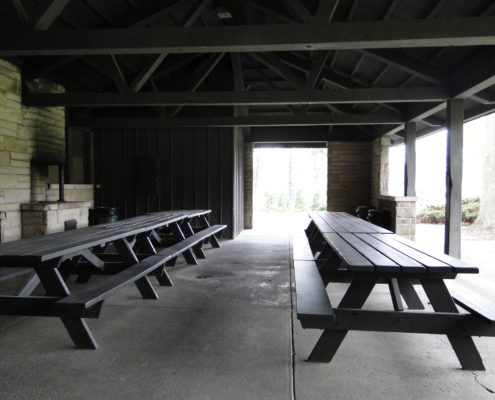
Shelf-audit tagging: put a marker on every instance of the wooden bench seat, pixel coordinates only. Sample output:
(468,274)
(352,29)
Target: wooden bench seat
(313,306)
(312,303)
(97,292)
(472,301)
(301,250)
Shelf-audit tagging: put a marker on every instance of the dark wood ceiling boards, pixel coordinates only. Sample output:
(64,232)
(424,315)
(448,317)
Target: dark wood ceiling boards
(447,45)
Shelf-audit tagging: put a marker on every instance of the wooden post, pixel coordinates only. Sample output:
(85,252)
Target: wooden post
(453,214)
(410,166)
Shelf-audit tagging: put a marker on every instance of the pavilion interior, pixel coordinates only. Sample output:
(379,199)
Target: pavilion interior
(149,105)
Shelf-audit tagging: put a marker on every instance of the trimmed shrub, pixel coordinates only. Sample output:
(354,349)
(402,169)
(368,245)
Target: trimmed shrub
(435,214)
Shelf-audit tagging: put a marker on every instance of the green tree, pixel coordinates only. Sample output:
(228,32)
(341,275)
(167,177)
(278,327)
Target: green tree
(300,204)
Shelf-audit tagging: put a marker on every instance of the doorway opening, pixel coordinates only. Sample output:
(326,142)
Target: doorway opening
(288,181)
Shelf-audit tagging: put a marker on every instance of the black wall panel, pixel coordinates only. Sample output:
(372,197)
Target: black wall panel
(195,170)
(197,167)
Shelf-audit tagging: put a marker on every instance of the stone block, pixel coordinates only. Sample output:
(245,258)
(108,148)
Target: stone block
(8,181)
(14,144)
(406,230)
(406,212)
(4,157)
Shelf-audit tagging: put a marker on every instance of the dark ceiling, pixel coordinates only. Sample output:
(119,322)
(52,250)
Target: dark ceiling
(460,67)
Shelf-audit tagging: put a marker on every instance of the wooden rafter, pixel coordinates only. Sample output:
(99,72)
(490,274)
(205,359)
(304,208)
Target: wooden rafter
(335,36)
(249,121)
(228,98)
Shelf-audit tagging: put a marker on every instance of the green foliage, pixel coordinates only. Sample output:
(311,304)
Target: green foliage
(435,214)
(470,210)
(300,205)
(317,204)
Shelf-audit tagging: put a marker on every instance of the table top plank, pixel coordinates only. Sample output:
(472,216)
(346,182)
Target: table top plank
(320,223)
(359,224)
(381,261)
(354,260)
(332,223)
(64,248)
(458,265)
(43,248)
(432,264)
(348,224)
(46,242)
(39,241)
(407,264)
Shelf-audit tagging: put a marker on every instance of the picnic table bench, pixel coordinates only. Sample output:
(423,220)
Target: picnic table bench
(136,251)
(338,247)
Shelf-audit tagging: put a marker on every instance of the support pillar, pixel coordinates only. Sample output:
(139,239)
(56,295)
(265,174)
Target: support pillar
(453,213)
(410,167)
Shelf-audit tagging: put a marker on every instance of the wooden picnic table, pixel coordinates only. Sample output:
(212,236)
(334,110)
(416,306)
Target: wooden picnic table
(136,253)
(343,248)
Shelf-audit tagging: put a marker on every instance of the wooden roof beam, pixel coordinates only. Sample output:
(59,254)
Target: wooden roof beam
(242,121)
(408,64)
(199,77)
(147,72)
(326,10)
(51,13)
(336,36)
(229,98)
(299,10)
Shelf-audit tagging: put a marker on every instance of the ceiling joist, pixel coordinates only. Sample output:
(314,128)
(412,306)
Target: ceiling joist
(228,98)
(336,36)
(241,121)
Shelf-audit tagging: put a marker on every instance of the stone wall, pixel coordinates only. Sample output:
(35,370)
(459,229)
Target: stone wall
(349,175)
(402,214)
(72,192)
(28,135)
(45,218)
(248,185)
(379,169)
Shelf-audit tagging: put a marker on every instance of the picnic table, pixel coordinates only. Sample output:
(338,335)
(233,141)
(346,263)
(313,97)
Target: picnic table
(128,251)
(338,247)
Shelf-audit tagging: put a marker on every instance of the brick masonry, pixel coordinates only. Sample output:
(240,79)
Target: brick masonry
(379,169)
(402,213)
(72,192)
(46,218)
(27,135)
(248,185)
(349,175)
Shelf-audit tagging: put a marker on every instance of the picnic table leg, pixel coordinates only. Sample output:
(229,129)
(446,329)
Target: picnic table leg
(30,285)
(68,267)
(146,246)
(311,227)
(156,237)
(315,240)
(395,293)
(188,231)
(94,260)
(329,342)
(409,294)
(188,254)
(206,224)
(54,284)
(464,346)
(324,255)
(143,284)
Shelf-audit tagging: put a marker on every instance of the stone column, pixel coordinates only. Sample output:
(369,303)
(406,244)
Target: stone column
(379,169)
(402,214)
(248,185)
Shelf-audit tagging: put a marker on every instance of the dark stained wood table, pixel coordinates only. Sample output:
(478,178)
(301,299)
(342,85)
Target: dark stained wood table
(55,257)
(348,249)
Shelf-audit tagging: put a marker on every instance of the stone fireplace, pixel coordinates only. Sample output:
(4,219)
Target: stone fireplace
(44,214)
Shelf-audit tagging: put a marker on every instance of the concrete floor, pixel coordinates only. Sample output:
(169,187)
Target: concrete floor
(226,331)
